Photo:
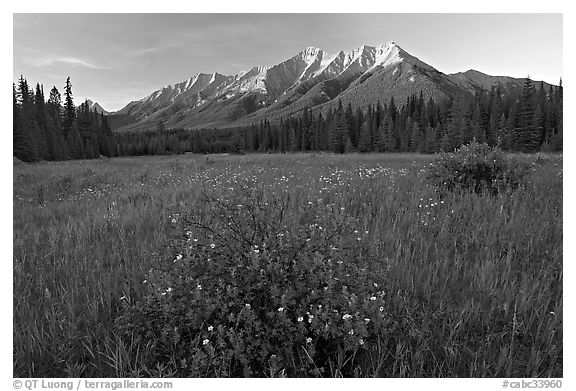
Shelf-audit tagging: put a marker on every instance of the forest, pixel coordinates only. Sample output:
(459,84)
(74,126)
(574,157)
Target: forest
(527,121)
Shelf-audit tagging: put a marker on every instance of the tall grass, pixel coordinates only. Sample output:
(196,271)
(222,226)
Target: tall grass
(473,282)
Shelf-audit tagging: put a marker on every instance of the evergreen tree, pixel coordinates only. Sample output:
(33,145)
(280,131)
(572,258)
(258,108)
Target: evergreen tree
(525,134)
(69,109)
(43,134)
(25,126)
(54,110)
(364,145)
(340,133)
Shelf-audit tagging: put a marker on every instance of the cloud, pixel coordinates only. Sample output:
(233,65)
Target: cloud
(144,51)
(72,61)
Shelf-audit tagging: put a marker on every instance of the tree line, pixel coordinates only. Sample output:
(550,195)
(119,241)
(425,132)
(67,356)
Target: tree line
(526,121)
(53,129)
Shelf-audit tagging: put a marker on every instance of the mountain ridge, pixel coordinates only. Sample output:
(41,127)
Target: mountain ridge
(312,79)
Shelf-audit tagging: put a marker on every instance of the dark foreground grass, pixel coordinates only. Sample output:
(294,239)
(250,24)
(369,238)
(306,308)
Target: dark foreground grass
(453,284)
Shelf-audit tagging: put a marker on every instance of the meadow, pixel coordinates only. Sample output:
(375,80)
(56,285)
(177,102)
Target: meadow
(283,265)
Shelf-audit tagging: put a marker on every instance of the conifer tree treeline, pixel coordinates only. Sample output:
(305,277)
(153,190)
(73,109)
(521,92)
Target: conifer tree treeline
(529,121)
(56,130)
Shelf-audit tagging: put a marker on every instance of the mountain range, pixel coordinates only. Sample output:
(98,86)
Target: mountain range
(312,79)
(94,106)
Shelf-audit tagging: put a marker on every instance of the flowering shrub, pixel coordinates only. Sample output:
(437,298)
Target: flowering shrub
(476,167)
(252,290)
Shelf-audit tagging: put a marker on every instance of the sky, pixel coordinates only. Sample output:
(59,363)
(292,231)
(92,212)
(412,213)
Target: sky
(116,58)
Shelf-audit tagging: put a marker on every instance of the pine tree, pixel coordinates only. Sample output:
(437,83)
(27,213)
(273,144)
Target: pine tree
(54,109)
(492,134)
(69,109)
(415,136)
(475,127)
(25,128)
(364,145)
(43,136)
(525,134)
(340,133)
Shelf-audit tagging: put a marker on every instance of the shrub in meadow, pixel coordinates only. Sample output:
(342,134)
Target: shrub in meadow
(251,289)
(477,167)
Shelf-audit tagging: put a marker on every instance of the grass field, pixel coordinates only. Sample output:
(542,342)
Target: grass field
(386,276)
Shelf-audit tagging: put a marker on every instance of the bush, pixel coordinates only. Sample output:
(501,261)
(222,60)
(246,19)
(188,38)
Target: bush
(250,291)
(478,168)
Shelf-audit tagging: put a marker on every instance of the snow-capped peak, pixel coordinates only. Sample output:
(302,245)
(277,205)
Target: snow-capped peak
(310,51)
(275,80)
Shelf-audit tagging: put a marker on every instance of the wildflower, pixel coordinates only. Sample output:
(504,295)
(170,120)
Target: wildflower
(373,298)
(256,251)
(361,341)
(195,239)
(205,342)
(346,316)
(247,305)
(178,257)
(210,328)
(310,317)
(366,320)
(199,287)
(381,309)
(144,282)
(351,332)
(300,319)
(173,220)
(308,340)
(280,309)
(169,290)
(212,245)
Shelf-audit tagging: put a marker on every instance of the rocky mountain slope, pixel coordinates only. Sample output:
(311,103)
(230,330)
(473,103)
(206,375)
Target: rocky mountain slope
(95,106)
(311,79)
